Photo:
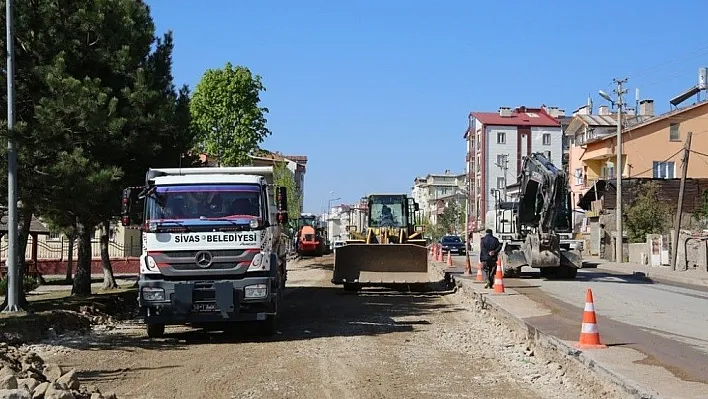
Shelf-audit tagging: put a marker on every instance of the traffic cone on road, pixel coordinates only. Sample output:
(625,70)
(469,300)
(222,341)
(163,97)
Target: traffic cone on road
(432,249)
(449,259)
(480,275)
(499,278)
(440,254)
(589,334)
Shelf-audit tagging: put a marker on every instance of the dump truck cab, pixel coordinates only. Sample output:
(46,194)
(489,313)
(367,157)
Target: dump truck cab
(213,246)
(392,251)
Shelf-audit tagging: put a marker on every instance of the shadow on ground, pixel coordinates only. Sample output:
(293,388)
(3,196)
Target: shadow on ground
(308,313)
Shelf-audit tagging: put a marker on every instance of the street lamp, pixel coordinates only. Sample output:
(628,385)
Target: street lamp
(618,167)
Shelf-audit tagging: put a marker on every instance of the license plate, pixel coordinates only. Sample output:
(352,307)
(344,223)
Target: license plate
(204,307)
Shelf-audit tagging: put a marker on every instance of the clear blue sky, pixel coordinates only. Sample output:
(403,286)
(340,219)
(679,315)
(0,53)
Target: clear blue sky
(378,92)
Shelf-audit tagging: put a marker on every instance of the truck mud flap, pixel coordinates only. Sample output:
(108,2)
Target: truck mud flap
(381,264)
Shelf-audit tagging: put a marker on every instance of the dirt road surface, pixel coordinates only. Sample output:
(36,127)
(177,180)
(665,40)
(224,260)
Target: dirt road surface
(331,344)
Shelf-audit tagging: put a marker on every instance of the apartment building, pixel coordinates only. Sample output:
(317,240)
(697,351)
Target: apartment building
(496,144)
(436,190)
(651,145)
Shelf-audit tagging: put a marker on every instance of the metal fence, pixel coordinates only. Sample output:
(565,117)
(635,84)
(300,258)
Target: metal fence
(59,249)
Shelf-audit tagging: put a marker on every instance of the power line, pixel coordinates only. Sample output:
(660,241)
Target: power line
(652,168)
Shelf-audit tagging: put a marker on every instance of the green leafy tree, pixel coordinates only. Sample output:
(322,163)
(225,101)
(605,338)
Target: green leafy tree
(284,177)
(433,231)
(452,217)
(700,214)
(227,114)
(647,214)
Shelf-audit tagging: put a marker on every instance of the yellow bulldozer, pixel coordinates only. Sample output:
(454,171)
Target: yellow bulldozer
(392,251)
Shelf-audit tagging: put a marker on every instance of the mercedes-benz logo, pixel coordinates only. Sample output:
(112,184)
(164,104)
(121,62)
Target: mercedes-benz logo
(203,259)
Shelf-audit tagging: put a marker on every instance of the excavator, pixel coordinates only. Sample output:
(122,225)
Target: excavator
(311,237)
(391,253)
(534,234)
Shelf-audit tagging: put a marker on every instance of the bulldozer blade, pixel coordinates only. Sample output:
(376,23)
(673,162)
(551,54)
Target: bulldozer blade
(571,258)
(381,264)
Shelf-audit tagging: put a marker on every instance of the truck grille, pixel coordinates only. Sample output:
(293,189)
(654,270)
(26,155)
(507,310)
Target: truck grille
(173,263)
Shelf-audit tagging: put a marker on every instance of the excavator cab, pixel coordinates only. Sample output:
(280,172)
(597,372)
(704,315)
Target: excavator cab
(392,250)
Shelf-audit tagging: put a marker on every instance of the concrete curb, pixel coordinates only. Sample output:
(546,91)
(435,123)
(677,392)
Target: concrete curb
(544,340)
(657,276)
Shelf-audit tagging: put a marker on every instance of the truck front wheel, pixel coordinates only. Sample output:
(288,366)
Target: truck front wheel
(269,326)
(156,330)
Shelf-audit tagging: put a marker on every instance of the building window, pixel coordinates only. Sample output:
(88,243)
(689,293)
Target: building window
(674,134)
(501,183)
(578,177)
(546,139)
(501,160)
(56,236)
(664,170)
(501,138)
(608,171)
(547,154)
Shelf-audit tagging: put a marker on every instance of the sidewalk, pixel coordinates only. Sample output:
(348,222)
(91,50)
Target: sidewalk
(659,274)
(622,365)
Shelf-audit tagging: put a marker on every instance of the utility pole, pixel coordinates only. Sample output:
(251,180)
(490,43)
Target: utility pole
(468,247)
(618,171)
(679,208)
(13,283)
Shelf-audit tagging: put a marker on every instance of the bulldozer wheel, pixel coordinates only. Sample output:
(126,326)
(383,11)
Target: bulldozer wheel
(349,287)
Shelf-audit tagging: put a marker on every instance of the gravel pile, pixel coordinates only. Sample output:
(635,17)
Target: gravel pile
(24,375)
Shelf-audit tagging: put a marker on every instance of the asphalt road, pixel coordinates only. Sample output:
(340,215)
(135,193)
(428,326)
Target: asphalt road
(667,323)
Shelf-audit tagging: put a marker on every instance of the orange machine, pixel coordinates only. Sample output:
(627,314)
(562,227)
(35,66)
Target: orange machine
(311,241)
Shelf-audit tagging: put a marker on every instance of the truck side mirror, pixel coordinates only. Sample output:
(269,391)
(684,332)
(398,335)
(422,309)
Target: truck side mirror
(125,207)
(282,202)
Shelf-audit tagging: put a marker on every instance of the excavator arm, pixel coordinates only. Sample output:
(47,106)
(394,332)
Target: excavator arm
(543,194)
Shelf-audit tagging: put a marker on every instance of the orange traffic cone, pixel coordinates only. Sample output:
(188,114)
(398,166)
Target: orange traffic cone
(449,259)
(499,279)
(589,334)
(480,275)
(440,255)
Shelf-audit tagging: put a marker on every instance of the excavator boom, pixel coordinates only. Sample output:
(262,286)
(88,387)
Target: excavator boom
(543,198)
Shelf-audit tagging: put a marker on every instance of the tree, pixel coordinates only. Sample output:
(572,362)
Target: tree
(225,111)
(284,177)
(700,214)
(452,217)
(647,214)
(98,108)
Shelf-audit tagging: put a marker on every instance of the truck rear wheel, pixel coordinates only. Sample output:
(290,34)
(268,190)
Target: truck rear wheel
(156,330)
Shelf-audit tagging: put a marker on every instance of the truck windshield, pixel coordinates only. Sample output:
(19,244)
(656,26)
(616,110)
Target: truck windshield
(387,211)
(451,239)
(221,201)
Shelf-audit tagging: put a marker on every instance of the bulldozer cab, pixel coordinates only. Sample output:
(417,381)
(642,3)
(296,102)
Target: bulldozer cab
(393,250)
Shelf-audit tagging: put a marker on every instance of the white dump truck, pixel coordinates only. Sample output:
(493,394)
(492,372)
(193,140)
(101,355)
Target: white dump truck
(213,249)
